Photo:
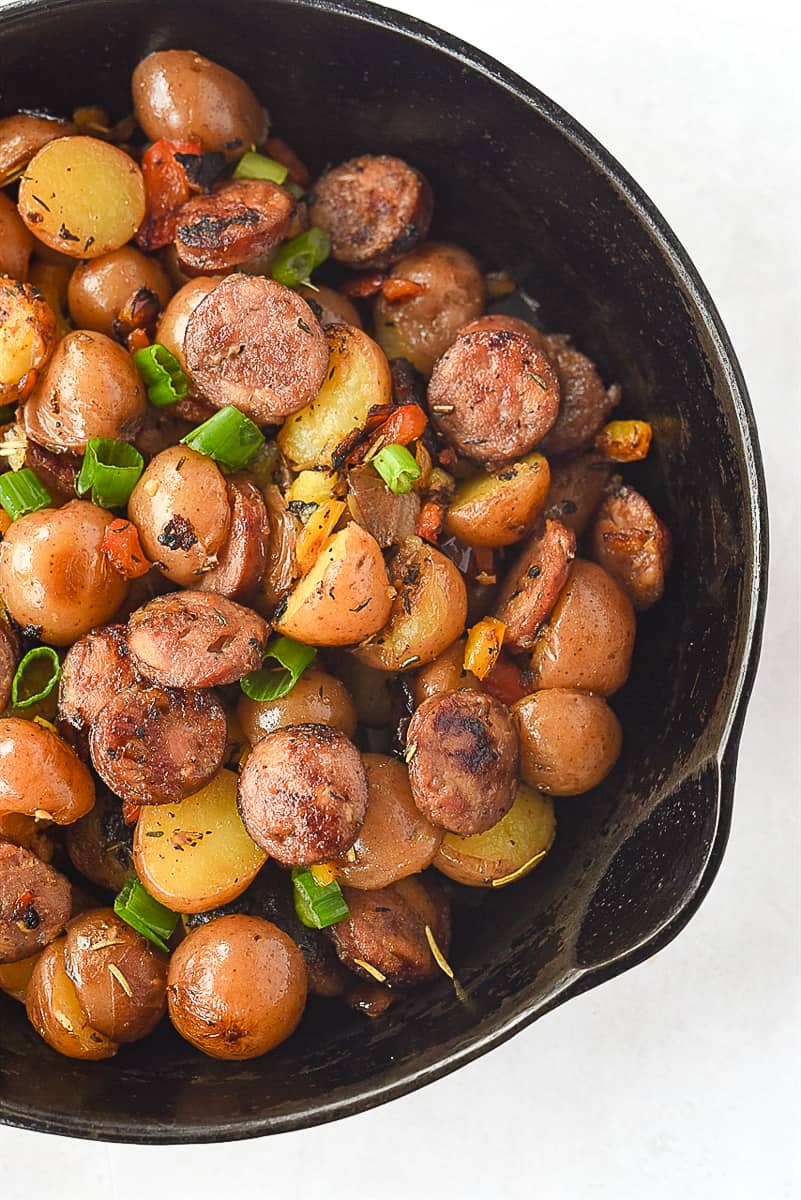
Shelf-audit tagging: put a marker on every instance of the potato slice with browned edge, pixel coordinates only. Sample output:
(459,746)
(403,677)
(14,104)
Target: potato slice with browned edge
(499,509)
(196,855)
(358,377)
(428,612)
(507,851)
(55,1011)
(344,597)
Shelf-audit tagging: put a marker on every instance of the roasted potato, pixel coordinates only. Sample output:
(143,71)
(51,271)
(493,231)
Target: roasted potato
(569,740)
(27,338)
(16,242)
(358,378)
(22,135)
(15,977)
(197,854)
(55,1011)
(507,851)
(344,597)
(577,486)
(499,509)
(102,289)
(316,699)
(428,612)
(175,318)
(82,196)
(40,775)
(446,673)
(335,309)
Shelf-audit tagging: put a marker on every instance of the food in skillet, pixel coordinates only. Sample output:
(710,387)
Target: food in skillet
(317,576)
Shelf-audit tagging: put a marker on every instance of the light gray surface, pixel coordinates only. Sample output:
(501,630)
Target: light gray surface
(680,1079)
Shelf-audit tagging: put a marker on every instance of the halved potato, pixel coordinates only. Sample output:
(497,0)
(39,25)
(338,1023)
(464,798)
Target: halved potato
(196,855)
(513,847)
(445,674)
(499,509)
(55,1011)
(428,612)
(358,377)
(345,596)
(15,977)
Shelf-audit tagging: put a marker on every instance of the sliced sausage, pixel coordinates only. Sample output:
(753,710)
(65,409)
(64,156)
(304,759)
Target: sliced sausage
(462,754)
(35,903)
(196,640)
(156,746)
(227,228)
(257,345)
(631,542)
(586,402)
(374,208)
(533,584)
(576,489)
(100,845)
(493,394)
(56,472)
(9,657)
(243,560)
(387,930)
(95,669)
(303,794)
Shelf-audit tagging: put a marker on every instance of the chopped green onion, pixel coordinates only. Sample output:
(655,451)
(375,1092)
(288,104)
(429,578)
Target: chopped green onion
(110,470)
(294,189)
(144,914)
(317,905)
(295,261)
(259,166)
(162,375)
(398,468)
(270,683)
(229,437)
(22,493)
(18,684)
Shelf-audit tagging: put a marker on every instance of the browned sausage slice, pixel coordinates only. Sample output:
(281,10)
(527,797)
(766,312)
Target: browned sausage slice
(243,560)
(462,753)
(156,746)
(631,542)
(586,402)
(257,345)
(493,394)
(196,640)
(9,657)
(227,228)
(374,208)
(576,489)
(533,584)
(387,930)
(303,794)
(95,669)
(35,903)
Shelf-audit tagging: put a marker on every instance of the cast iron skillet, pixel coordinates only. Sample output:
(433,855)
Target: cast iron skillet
(524,187)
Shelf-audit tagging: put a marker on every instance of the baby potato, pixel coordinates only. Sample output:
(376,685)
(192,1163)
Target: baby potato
(39,580)
(420,328)
(372,691)
(22,135)
(52,280)
(15,977)
(569,740)
(178,94)
(41,775)
(82,196)
(27,337)
(316,699)
(395,840)
(499,509)
(55,1011)
(336,308)
(589,638)
(428,612)
(175,318)
(90,389)
(16,242)
(445,674)
(99,290)
(344,597)
(181,510)
(513,847)
(196,855)
(358,378)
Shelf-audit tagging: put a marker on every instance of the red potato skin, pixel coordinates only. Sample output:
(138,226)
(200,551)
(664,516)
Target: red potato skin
(533,584)
(241,221)
(35,903)
(40,772)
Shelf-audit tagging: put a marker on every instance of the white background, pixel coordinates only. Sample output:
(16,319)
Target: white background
(681,1078)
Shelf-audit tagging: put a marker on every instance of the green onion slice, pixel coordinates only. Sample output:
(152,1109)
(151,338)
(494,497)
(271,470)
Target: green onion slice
(317,905)
(295,261)
(20,685)
(110,471)
(229,437)
(294,189)
(21,493)
(259,166)
(162,375)
(145,915)
(398,468)
(270,683)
